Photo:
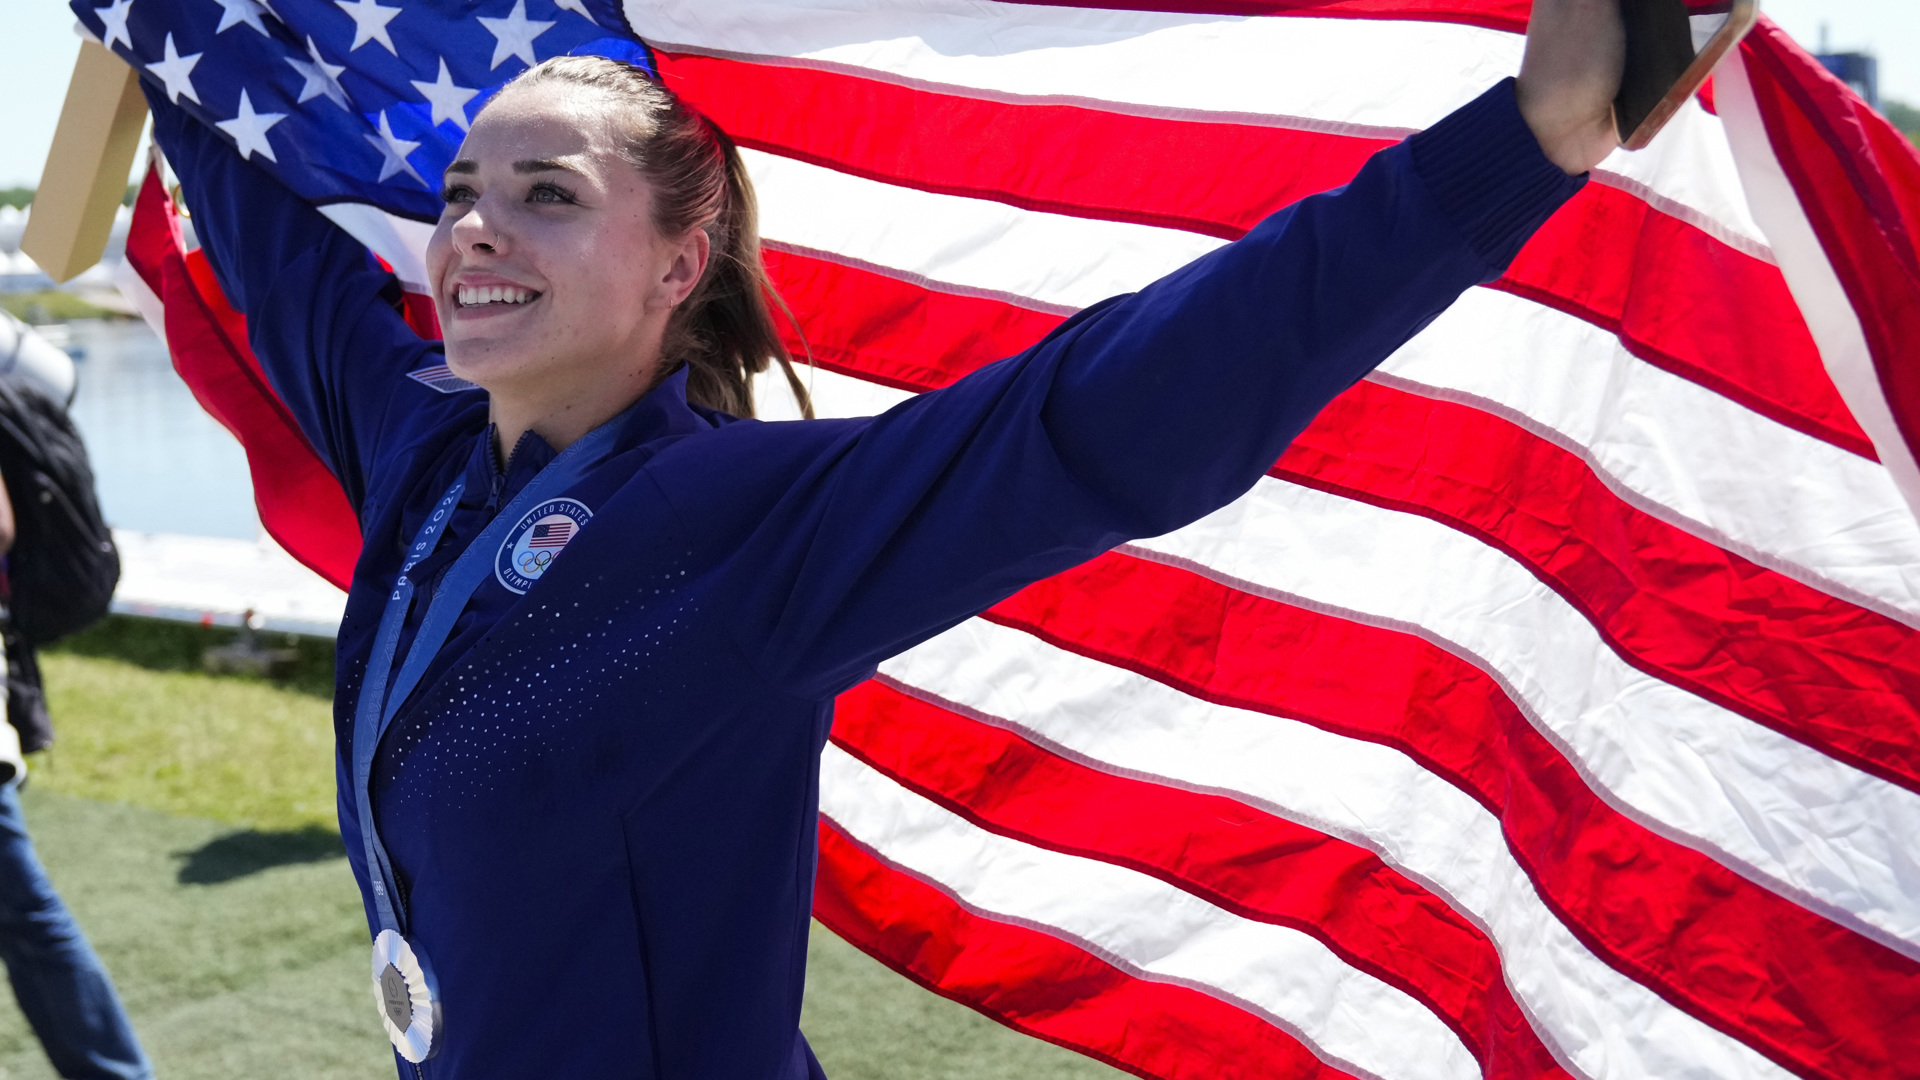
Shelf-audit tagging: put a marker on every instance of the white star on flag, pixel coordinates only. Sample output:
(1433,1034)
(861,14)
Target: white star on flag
(113,20)
(241,11)
(449,101)
(369,22)
(249,130)
(578,7)
(322,77)
(393,151)
(514,34)
(175,70)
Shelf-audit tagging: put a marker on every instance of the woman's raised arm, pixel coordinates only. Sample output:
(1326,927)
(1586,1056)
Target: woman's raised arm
(321,313)
(1136,417)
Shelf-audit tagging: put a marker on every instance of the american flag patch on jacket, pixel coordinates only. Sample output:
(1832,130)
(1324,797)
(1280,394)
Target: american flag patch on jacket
(441,378)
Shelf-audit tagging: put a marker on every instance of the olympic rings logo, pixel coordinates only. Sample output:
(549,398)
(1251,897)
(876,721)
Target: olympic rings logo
(527,551)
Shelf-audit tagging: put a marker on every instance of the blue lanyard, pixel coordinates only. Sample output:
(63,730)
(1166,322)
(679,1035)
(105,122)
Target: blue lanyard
(378,702)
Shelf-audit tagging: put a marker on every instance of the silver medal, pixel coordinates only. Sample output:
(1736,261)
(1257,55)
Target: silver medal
(403,992)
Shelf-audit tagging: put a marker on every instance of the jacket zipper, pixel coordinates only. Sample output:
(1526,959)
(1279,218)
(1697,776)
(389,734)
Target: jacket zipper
(493,494)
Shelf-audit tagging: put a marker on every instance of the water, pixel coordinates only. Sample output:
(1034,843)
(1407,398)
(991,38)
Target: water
(160,462)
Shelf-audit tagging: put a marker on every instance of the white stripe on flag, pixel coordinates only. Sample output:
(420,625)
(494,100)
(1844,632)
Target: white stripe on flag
(1052,262)
(400,241)
(1383,76)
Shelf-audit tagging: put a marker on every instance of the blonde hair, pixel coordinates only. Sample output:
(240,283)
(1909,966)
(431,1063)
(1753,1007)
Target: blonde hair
(724,331)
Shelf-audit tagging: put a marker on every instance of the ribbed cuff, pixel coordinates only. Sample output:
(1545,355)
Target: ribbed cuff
(1486,170)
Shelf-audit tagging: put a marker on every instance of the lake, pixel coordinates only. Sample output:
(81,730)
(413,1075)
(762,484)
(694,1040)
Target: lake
(161,463)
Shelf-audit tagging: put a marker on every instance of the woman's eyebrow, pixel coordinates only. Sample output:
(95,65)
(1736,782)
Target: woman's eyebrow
(531,165)
(534,165)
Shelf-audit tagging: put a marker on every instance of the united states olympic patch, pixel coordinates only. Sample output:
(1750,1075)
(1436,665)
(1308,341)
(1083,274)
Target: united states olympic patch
(536,540)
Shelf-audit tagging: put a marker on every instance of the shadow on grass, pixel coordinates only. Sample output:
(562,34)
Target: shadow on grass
(239,854)
(159,645)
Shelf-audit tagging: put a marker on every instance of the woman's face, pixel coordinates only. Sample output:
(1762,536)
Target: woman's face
(548,272)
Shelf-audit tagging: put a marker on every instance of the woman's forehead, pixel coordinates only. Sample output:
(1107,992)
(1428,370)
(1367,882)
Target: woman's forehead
(537,124)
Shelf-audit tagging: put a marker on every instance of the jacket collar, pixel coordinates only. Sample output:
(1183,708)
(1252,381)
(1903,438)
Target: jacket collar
(661,413)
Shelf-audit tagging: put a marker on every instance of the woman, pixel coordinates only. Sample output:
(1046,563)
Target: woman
(592,777)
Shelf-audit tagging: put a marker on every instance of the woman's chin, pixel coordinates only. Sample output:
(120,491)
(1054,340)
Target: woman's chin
(485,367)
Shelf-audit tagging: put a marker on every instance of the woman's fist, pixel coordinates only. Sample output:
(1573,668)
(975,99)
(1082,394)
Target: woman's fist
(1576,52)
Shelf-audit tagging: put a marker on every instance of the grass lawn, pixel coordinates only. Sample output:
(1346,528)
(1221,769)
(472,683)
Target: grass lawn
(187,820)
(50,306)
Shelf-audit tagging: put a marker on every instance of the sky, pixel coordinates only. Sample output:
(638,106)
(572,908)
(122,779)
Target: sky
(36,59)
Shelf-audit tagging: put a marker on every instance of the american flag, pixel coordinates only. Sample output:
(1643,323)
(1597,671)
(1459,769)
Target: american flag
(553,534)
(1551,709)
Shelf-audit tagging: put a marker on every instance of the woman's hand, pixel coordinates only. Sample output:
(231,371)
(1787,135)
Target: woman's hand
(1576,51)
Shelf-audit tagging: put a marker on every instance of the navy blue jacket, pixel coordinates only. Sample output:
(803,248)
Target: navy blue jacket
(601,799)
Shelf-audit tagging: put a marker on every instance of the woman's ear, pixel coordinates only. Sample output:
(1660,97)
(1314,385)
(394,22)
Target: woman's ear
(687,262)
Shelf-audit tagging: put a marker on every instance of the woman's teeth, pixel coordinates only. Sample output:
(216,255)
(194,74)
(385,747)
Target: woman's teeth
(475,295)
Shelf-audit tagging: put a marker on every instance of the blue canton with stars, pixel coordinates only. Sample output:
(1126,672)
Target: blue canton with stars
(350,100)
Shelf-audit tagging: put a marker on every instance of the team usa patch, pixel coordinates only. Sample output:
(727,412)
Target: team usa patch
(536,541)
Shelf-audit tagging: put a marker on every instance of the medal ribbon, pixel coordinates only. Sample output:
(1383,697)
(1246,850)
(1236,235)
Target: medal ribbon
(378,702)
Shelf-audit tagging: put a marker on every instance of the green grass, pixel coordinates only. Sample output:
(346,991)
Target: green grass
(23,196)
(137,721)
(237,953)
(52,306)
(187,820)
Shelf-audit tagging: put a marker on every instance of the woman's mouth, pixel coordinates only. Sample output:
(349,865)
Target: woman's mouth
(468,296)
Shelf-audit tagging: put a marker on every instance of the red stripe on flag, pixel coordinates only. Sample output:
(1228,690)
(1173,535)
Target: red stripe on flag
(1858,182)
(1827,672)
(1810,994)
(1835,676)
(1041,985)
(895,332)
(1061,159)
(152,233)
(1240,859)
(1678,298)
(300,502)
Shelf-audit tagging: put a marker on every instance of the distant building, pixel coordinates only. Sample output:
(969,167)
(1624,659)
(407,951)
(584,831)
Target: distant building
(19,273)
(1858,70)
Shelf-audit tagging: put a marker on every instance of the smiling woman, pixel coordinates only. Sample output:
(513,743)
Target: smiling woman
(591,651)
(573,257)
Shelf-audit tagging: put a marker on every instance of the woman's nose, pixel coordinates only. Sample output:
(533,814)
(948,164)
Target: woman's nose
(475,231)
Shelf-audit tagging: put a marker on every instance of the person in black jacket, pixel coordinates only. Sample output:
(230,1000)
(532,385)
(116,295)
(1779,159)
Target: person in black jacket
(61,986)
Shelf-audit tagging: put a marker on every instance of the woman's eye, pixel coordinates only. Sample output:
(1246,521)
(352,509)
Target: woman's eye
(456,193)
(548,193)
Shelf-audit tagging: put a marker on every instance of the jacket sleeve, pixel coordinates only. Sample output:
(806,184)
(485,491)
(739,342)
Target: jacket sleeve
(321,314)
(1137,416)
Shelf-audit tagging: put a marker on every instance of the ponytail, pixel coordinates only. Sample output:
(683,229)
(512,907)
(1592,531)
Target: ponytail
(724,332)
